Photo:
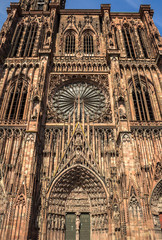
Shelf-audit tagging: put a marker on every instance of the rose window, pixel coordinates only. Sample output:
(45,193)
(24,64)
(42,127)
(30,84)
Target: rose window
(84,99)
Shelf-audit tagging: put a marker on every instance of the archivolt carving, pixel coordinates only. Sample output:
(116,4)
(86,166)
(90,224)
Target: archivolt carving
(77,201)
(156,203)
(77,190)
(156,197)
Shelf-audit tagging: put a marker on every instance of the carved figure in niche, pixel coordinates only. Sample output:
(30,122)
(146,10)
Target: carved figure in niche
(1,219)
(122,110)
(38,221)
(116,86)
(93,223)
(58,222)
(47,38)
(105,222)
(156,221)
(77,222)
(53,222)
(62,223)
(35,109)
(78,140)
(158,171)
(49,222)
(108,183)
(111,43)
(116,217)
(1,174)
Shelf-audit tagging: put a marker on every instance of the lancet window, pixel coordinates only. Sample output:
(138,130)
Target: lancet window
(24,40)
(142,42)
(142,103)
(88,44)
(14,101)
(70,43)
(128,42)
(16,40)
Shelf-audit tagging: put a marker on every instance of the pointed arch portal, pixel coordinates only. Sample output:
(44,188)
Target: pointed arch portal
(77,206)
(156,203)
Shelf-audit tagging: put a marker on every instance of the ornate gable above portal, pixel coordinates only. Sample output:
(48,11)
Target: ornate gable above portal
(76,150)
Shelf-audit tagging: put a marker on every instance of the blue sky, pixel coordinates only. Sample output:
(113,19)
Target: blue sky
(116,6)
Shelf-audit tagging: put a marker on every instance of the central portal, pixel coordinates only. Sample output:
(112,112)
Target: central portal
(77,226)
(77,207)
(77,217)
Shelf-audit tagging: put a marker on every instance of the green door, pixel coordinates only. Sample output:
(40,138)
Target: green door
(70,226)
(85,226)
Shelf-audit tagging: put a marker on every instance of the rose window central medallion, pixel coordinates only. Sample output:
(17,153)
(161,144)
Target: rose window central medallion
(83,99)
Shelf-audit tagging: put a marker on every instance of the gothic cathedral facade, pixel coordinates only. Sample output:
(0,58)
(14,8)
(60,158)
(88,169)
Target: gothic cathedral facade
(80,123)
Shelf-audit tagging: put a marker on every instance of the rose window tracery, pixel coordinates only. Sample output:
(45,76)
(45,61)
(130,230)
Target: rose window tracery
(83,99)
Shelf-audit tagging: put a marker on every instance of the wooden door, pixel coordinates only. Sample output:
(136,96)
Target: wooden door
(84,226)
(70,226)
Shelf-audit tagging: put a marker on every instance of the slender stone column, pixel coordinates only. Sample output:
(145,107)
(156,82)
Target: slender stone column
(77,225)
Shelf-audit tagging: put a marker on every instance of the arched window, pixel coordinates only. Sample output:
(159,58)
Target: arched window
(142,103)
(29,40)
(23,44)
(128,42)
(88,44)
(139,30)
(70,44)
(14,101)
(16,41)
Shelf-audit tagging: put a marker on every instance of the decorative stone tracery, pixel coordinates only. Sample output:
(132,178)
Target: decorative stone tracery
(101,84)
